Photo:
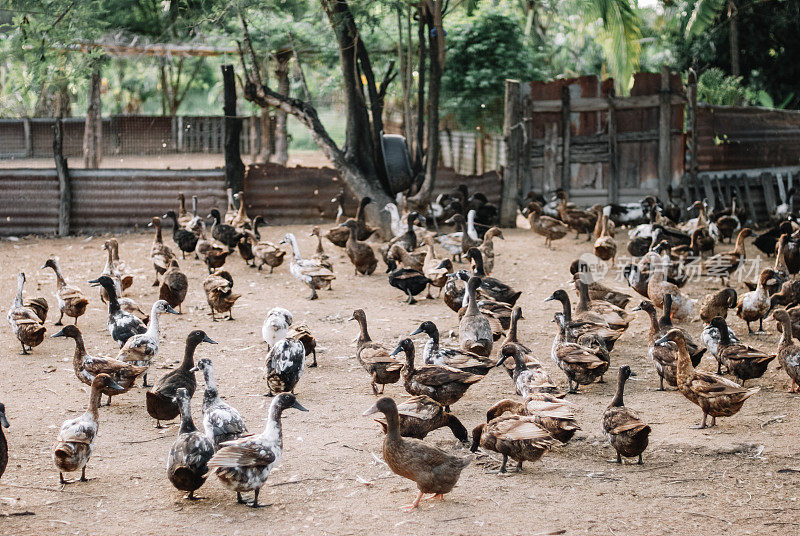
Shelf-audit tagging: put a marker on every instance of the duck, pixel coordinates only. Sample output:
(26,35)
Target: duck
(187,462)
(728,224)
(310,272)
(319,254)
(75,440)
(71,300)
(768,241)
(276,325)
(409,239)
(582,365)
(211,254)
(711,338)
(410,282)
(580,221)
(497,313)
(452,244)
(184,218)
(584,323)
(723,265)
(360,253)
(374,357)
(241,220)
(665,356)
(636,279)
(286,361)
(122,324)
(491,287)
(174,285)
(160,399)
(717,304)
(26,325)
(39,306)
(615,317)
(414,261)
(221,421)
(111,271)
(474,331)
(605,247)
(88,367)
(715,395)
(339,200)
(267,253)
(487,248)
(185,240)
(658,287)
(623,426)
(141,349)
(244,464)
(219,293)
(744,362)
(433,354)
(756,304)
(788,351)
(455,289)
(446,385)
(597,290)
(550,228)
(665,322)
(485,212)
(549,411)
(223,232)
(515,436)
(435,269)
(467,242)
(125,277)
(421,415)
(433,470)
(245,247)
(302,334)
(540,380)
(4,444)
(338,235)
(160,253)
(193,224)
(526,380)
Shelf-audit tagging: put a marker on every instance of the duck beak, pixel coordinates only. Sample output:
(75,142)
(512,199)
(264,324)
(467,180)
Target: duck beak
(501,361)
(371,411)
(195,369)
(637,308)
(440,266)
(209,340)
(94,282)
(662,340)
(115,386)
(417,332)
(59,334)
(551,298)
(299,406)
(4,421)
(397,350)
(169,309)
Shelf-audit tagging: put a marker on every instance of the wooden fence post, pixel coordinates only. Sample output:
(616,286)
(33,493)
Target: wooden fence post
(64,186)
(613,156)
(526,184)
(234,168)
(26,128)
(691,94)
(664,136)
(513,132)
(566,122)
(93,125)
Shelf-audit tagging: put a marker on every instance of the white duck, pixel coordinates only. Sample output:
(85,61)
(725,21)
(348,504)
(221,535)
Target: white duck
(310,272)
(221,421)
(142,349)
(276,325)
(244,464)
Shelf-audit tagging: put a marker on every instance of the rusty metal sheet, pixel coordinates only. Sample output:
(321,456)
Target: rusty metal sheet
(28,202)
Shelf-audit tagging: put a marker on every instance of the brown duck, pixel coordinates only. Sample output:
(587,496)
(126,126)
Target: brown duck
(515,436)
(552,413)
(174,285)
(623,426)
(374,357)
(421,415)
(359,253)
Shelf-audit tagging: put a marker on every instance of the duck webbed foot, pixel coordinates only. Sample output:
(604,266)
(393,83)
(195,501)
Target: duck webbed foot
(239,498)
(255,504)
(413,505)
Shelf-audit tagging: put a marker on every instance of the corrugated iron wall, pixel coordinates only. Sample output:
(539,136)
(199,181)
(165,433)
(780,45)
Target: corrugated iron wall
(28,201)
(732,137)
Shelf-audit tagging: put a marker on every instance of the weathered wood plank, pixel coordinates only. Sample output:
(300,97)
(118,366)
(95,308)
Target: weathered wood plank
(566,128)
(664,135)
(513,131)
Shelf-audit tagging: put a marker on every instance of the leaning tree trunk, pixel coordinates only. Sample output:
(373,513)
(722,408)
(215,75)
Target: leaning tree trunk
(282,58)
(93,125)
(234,167)
(734,39)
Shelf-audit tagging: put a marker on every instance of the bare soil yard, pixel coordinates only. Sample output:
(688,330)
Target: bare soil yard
(738,478)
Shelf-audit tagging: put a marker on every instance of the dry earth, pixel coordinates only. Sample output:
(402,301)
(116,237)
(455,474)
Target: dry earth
(738,478)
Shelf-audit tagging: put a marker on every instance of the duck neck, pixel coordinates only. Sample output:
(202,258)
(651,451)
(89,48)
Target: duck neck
(360,213)
(685,368)
(566,308)
(174,219)
(187,424)
(194,206)
(94,399)
(666,319)
(434,342)
(181,205)
(159,239)
(654,327)
(363,337)
(273,429)
(113,301)
(392,426)
(320,251)
(478,272)
(725,336)
(18,299)
(295,249)
(80,352)
(472,303)
(188,355)
(786,336)
(583,296)
(739,245)
(59,278)
(211,383)
(152,327)
(409,368)
(394,215)
(780,259)
(471,223)
(512,329)
(351,234)
(618,401)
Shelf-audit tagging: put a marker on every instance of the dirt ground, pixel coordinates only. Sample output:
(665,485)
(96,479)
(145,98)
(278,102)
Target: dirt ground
(738,478)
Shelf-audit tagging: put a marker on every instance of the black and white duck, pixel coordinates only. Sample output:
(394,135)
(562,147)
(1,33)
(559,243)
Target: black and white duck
(221,421)
(122,325)
(434,354)
(187,462)
(142,349)
(286,362)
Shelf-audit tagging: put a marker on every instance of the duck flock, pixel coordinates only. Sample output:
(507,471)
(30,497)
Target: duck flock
(665,253)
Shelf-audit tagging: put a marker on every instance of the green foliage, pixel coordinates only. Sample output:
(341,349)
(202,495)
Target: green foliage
(703,15)
(715,87)
(619,37)
(481,53)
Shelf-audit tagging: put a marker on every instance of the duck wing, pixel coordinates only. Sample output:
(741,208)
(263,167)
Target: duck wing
(245,452)
(79,430)
(435,375)
(518,428)
(420,407)
(712,385)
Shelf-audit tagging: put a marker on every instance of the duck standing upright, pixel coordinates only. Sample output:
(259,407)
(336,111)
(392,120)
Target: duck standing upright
(187,463)
(122,325)
(219,293)
(174,285)
(71,301)
(518,437)
(474,331)
(73,447)
(788,350)
(374,357)
(142,349)
(160,399)
(285,364)
(221,421)
(310,272)
(27,326)
(244,464)
(160,253)
(624,427)
(434,470)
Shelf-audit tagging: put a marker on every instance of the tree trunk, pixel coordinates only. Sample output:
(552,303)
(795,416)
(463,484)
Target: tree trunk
(282,58)
(734,39)
(404,66)
(423,54)
(234,168)
(64,186)
(93,126)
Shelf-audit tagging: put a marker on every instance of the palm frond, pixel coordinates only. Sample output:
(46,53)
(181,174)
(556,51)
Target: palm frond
(703,15)
(619,37)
